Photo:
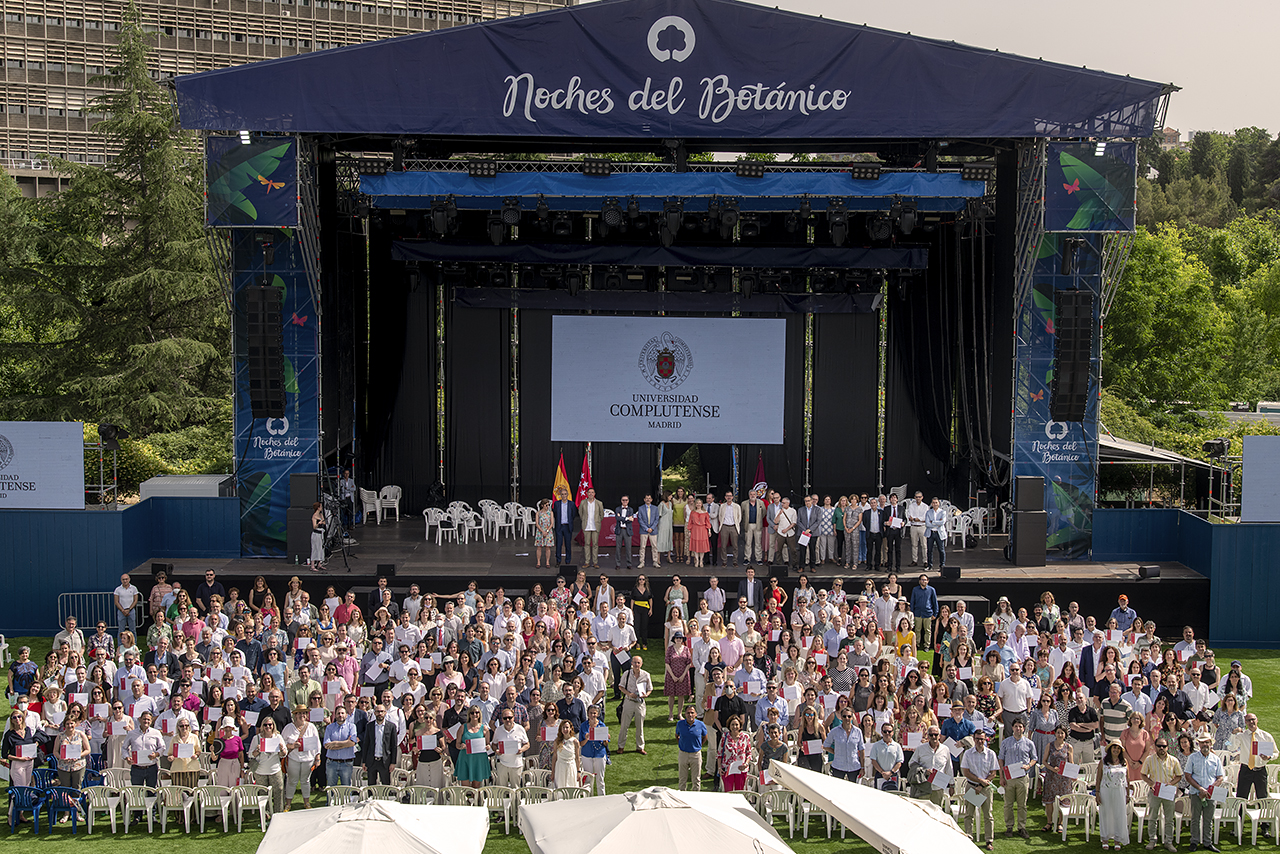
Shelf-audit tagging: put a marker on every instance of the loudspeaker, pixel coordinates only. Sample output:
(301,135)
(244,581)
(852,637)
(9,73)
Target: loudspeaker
(982,499)
(779,570)
(1028,536)
(386,570)
(1072,351)
(302,490)
(297,534)
(951,573)
(166,568)
(1028,493)
(1148,572)
(264,336)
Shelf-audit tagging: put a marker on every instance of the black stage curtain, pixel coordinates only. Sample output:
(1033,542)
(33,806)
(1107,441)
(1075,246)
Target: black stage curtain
(845,387)
(783,464)
(921,373)
(478,404)
(398,439)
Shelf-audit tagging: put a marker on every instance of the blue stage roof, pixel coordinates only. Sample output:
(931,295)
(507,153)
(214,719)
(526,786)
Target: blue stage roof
(658,69)
(776,191)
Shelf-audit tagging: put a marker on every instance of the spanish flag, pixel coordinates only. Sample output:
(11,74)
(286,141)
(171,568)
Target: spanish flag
(562,481)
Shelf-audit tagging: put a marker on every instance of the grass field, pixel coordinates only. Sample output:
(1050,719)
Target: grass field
(631,771)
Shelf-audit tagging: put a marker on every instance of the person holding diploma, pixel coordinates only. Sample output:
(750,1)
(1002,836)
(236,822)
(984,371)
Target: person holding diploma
(568,757)
(427,744)
(1017,758)
(472,765)
(302,754)
(593,737)
(265,755)
(184,753)
(144,746)
(1161,769)
(20,748)
(72,748)
(980,768)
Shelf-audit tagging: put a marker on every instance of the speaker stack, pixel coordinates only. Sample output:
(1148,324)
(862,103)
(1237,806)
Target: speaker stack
(1030,522)
(302,497)
(1072,353)
(264,337)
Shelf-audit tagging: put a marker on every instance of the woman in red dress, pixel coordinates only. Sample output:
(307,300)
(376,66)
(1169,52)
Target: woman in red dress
(699,525)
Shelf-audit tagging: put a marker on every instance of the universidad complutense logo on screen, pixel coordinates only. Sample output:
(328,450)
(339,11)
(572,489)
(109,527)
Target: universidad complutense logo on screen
(666,361)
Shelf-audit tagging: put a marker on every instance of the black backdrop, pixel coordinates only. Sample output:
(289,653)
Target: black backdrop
(845,387)
(478,403)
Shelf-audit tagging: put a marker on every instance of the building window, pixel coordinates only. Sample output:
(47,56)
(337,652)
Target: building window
(34,19)
(54,66)
(13,63)
(74,22)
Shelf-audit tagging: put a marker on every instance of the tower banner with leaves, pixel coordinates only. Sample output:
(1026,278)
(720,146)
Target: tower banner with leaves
(253,183)
(1064,453)
(269,450)
(1091,186)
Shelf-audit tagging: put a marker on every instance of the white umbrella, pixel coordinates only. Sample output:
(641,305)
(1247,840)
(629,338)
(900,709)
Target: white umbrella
(890,823)
(656,819)
(377,827)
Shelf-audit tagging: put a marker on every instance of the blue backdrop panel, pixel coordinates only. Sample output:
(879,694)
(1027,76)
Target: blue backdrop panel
(1063,453)
(253,184)
(269,450)
(776,191)
(1091,186)
(654,69)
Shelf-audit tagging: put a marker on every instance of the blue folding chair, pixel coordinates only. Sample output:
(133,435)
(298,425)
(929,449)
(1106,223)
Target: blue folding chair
(93,778)
(53,761)
(97,761)
(44,778)
(65,801)
(25,799)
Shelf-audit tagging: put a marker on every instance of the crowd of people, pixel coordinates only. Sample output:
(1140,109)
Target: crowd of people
(884,685)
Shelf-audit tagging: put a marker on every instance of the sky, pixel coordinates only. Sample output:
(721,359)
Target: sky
(1222,54)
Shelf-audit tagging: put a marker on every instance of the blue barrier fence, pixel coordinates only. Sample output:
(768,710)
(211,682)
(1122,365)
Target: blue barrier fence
(47,552)
(1237,559)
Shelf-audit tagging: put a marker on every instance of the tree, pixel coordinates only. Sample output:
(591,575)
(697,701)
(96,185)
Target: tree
(132,321)
(1209,152)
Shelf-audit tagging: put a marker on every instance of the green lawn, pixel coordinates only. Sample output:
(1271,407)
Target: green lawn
(632,771)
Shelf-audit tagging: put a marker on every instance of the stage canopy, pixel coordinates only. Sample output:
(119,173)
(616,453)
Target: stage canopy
(647,70)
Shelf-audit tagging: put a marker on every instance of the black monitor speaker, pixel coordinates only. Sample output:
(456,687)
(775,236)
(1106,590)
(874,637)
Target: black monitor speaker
(951,573)
(1151,571)
(386,570)
(1028,493)
(1029,537)
(569,571)
(302,490)
(166,568)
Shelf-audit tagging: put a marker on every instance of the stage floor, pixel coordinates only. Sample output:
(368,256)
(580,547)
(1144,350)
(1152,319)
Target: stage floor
(402,544)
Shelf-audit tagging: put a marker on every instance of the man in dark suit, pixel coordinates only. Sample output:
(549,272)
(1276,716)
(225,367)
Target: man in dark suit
(892,533)
(375,599)
(164,660)
(378,747)
(807,523)
(563,512)
(873,524)
(752,590)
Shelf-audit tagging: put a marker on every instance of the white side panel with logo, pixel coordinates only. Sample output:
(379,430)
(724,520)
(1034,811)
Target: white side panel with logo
(667,379)
(42,465)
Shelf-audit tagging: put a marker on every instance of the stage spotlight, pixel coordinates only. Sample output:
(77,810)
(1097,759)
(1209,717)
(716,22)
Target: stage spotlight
(879,227)
(482,168)
(573,281)
(683,279)
(542,210)
(597,168)
(878,281)
(498,277)
(444,216)
(792,222)
(749,169)
(453,274)
(750,226)
(1100,149)
(806,209)
(633,209)
(747,283)
(729,218)
(977,171)
(672,218)
(244,137)
(838,220)
(110,435)
(611,213)
(511,211)
(562,226)
(904,214)
(1070,246)
(613,279)
(1216,449)
(864,171)
(496,229)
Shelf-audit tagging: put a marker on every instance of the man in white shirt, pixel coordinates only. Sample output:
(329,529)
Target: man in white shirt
(729,516)
(916,508)
(1016,697)
(934,759)
(593,681)
(512,742)
(883,606)
(602,623)
(620,607)
(138,703)
(739,617)
(622,639)
(636,685)
(713,512)
(127,598)
(701,655)
(1137,698)
(1197,692)
(412,603)
(786,533)
(750,683)
(981,768)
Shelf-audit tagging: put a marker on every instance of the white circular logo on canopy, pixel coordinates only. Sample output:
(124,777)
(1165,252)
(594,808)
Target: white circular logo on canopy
(659,27)
(1055,429)
(274,430)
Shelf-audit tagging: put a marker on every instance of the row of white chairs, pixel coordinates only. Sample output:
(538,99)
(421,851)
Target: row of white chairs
(193,805)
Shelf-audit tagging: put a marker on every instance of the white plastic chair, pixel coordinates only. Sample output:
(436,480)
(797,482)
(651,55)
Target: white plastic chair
(103,800)
(446,526)
(431,516)
(471,521)
(780,802)
(957,526)
(461,796)
(251,798)
(900,491)
(177,799)
(215,800)
(369,503)
(499,799)
(1138,793)
(421,795)
(141,799)
(389,499)
(540,777)
(502,519)
(533,795)
(571,793)
(382,793)
(1230,812)
(4,652)
(1264,811)
(338,795)
(1077,807)
(530,521)
(117,778)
